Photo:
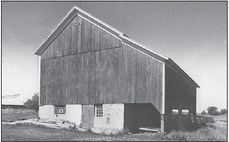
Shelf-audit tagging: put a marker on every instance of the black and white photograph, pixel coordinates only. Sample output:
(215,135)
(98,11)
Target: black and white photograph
(114,71)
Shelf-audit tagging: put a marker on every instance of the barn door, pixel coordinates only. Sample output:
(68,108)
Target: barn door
(87,116)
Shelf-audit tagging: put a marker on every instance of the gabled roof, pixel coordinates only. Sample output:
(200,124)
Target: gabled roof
(124,39)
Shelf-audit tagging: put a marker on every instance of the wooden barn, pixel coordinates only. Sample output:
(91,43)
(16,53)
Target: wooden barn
(97,77)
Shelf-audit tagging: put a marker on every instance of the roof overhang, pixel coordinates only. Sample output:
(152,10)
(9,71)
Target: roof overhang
(176,68)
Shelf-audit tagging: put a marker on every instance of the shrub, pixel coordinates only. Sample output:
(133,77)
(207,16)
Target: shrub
(212,110)
(223,111)
(203,112)
(33,103)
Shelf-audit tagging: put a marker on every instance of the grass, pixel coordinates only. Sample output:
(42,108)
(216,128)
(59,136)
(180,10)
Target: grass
(213,132)
(30,132)
(18,116)
(222,117)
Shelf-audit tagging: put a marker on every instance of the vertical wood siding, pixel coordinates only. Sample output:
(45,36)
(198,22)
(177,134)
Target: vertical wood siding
(80,36)
(179,93)
(93,66)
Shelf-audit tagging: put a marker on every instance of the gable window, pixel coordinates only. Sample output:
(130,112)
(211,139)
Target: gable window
(174,111)
(60,109)
(99,110)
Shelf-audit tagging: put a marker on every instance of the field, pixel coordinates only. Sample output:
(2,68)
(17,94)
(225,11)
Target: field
(10,115)
(28,132)
(14,117)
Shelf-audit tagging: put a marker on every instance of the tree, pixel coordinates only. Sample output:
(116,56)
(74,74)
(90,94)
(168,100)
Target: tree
(33,103)
(223,111)
(212,110)
(203,112)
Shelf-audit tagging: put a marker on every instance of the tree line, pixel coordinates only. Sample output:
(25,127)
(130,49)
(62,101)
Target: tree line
(213,110)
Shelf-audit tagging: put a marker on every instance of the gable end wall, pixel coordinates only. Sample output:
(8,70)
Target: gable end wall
(87,65)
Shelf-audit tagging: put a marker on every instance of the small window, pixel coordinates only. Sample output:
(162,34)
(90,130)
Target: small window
(60,110)
(99,110)
(185,111)
(174,111)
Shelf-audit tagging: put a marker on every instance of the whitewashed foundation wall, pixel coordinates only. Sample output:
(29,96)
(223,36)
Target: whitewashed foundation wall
(113,115)
(73,113)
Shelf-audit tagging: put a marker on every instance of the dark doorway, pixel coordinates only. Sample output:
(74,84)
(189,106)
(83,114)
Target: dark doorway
(140,115)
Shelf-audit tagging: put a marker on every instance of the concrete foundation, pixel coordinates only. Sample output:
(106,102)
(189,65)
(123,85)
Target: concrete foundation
(46,112)
(113,117)
(73,113)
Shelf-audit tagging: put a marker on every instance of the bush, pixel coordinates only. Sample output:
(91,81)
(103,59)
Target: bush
(203,112)
(212,110)
(223,111)
(33,103)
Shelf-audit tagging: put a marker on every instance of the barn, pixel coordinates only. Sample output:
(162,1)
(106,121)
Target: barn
(97,77)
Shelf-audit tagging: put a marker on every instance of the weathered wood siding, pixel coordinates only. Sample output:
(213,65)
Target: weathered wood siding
(80,36)
(98,68)
(179,92)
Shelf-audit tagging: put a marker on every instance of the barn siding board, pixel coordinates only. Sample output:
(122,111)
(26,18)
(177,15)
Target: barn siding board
(123,81)
(98,77)
(42,84)
(91,77)
(85,33)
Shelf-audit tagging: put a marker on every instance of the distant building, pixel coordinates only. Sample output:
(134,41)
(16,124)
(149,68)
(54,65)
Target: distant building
(95,76)
(10,106)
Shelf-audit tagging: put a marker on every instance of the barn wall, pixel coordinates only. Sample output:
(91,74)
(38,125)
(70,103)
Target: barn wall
(179,94)
(97,69)
(120,75)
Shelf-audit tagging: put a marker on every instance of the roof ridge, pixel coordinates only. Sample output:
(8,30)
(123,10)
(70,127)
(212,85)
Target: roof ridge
(96,19)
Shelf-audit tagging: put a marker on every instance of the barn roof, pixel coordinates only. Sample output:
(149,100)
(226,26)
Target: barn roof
(77,11)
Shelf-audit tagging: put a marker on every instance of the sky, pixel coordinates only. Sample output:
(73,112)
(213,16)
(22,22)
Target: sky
(193,34)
